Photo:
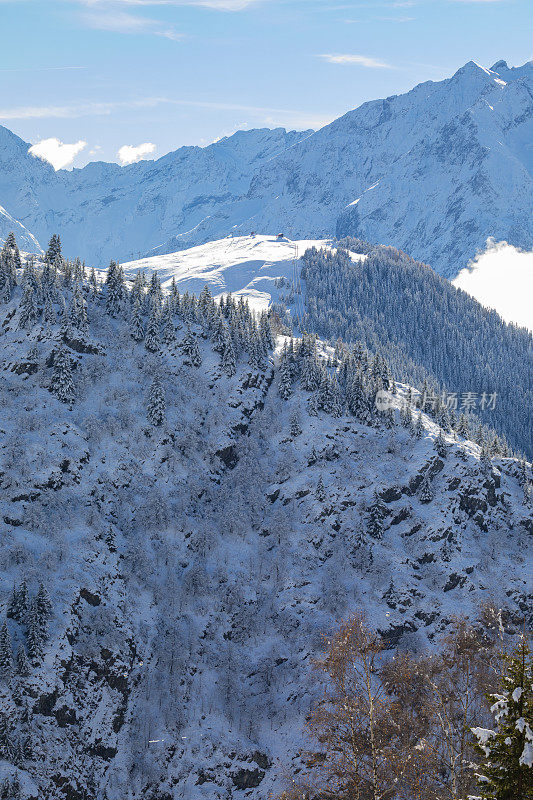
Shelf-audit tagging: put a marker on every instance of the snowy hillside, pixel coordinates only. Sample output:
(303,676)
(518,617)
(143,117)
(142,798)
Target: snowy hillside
(434,172)
(254,267)
(199,511)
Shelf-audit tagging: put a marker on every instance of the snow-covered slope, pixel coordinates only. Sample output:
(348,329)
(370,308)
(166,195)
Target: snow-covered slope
(434,172)
(27,242)
(192,568)
(252,267)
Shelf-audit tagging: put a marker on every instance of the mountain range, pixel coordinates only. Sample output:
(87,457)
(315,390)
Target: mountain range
(180,527)
(435,172)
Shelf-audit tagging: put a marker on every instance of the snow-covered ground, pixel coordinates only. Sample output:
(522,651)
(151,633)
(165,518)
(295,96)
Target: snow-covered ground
(247,266)
(501,277)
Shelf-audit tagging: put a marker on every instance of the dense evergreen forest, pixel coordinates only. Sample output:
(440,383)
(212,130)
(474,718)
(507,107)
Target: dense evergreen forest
(427,330)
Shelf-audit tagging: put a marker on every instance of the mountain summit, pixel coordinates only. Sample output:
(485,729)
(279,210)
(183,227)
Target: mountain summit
(435,171)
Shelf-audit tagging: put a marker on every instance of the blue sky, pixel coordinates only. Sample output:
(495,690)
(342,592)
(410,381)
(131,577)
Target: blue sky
(166,73)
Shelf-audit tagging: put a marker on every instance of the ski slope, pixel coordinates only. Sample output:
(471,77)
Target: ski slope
(247,266)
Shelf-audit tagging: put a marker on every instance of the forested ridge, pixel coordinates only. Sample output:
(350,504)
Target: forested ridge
(427,330)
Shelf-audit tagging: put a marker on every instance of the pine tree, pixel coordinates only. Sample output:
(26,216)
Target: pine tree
(485,457)
(191,350)
(295,423)
(114,284)
(285,385)
(506,772)
(309,374)
(27,307)
(152,339)
(419,426)
(78,312)
(53,255)
(156,403)
(62,384)
(376,514)
(7,749)
(6,653)
(136,323)
(320,491)
(440,444)
(228,361)
(18,605)
(425,492)
(168,334)
(34,638)
(23,663)
(9,263)
(49,315)
(15,787)
(44,608)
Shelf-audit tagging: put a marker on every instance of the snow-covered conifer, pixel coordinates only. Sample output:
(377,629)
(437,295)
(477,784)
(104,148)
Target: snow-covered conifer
(62,384)
(506,770)
(168,333)
(136,322)
(114,286)
(425,492)
(18,604)
(6,653)
(440,444)
(285,383)
(375,516)
(295,423)
(156,403)
(190,349)
(152,338)
(320,491)
(23,663)
(28,307)
(228,361)
(44,607)
(34,636)
(7,747)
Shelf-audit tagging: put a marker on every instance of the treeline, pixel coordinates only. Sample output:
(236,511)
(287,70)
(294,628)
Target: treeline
(456,724)
(62,296)
(425,328)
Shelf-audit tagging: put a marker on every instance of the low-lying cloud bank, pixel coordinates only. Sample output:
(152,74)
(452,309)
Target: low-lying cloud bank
(501,277)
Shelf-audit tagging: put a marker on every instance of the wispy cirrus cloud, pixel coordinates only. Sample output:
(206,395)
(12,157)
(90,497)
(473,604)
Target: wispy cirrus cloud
(350,58)
(130,153)
(118,21)
(57,153)
(262,114)
(77,109)
(218,5)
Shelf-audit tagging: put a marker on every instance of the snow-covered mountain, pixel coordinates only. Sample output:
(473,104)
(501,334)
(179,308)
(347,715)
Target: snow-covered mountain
(193,566)
(435,172)
(258,268)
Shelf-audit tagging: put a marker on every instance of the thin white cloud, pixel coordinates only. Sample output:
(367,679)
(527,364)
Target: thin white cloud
(57,153)
(501,277)
(349,58)
(278,116)
(123,22)
(130,153)
(218,5)
(77,110)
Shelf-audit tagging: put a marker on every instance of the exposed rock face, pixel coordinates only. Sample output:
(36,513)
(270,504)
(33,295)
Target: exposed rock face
(190,591)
